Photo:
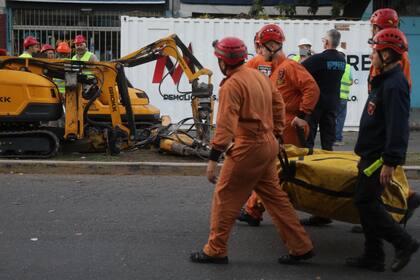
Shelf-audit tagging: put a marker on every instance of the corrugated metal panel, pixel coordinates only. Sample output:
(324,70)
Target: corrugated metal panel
(138,32)
(137,2)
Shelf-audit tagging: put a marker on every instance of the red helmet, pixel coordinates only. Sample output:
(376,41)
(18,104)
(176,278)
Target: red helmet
(3,52)
(79,39)
(384,18)
(47,47)
(63,47)
(271,32)
(390,38)
(30,41)
(231,50)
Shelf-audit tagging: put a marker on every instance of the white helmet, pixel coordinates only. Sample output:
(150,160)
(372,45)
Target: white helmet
(341,50)
(304,41)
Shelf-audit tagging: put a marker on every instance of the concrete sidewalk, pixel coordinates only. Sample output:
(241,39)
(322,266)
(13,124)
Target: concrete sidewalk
(149,162)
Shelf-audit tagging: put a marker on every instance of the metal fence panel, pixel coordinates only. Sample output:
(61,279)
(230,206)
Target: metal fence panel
(100,27)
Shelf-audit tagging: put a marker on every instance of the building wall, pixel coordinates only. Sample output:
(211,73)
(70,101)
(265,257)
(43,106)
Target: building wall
(232,8)
(3,25)
(411,27)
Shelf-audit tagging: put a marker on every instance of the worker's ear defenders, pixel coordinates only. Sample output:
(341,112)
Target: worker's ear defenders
(214,43)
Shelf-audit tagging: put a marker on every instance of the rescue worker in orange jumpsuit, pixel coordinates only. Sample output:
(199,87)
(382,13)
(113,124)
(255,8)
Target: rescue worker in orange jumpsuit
(300,93)
(382,19)
(258,62)
(250,118)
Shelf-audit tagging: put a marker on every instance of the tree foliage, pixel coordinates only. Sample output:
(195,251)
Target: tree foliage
(257,9)
(287,10)
(338,7)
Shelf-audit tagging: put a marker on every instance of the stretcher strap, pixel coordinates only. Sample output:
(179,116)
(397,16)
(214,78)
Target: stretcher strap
(285,173)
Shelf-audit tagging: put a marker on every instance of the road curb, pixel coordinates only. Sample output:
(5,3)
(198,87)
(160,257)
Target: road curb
(102,168)
(123,168)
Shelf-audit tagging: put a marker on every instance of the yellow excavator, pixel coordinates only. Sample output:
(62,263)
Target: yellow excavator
(98,107)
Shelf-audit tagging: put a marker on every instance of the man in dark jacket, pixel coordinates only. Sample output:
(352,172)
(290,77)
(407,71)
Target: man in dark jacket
(382,145)
(327,68)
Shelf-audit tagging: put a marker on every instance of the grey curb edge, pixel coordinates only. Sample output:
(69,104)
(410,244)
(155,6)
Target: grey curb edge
(122,168)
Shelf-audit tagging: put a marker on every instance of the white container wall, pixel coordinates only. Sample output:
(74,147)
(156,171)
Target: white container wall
(200,33)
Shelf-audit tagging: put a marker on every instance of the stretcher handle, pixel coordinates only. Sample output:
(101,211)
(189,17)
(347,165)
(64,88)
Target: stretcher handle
(285,164)
(301,135)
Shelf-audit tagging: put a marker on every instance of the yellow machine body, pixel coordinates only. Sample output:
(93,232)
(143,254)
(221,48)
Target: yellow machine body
(28,97)
(143,111)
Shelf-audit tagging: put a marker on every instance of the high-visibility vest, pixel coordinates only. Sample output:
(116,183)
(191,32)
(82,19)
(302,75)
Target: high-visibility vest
(26,55)
(61,84)
(85,57)
(296,58)
(346,83)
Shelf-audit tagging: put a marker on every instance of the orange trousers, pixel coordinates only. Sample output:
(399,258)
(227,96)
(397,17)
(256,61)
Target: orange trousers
(251,165)
(254,206)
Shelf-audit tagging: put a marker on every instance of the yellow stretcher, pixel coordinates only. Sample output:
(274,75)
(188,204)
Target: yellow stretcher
(323,183)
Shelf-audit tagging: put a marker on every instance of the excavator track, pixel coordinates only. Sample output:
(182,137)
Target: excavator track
(37,143)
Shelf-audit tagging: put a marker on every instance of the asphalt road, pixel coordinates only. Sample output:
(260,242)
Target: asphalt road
(104,227)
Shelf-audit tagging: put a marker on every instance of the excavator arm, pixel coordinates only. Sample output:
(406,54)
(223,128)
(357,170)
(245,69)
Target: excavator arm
(201,94)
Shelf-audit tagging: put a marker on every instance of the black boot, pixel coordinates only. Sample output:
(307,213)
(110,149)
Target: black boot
(245,217)
(403,256)
(315,221)
(292,259)
(365,262)
(201,257)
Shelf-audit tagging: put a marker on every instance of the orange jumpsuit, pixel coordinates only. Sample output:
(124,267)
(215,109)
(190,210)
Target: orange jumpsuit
(251,113)
(300,93)
(258,62)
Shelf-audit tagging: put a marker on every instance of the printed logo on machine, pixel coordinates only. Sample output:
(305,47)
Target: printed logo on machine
(165,62)
(5,99)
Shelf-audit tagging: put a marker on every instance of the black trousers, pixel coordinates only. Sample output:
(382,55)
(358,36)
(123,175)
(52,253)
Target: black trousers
(377,223)
(326,119)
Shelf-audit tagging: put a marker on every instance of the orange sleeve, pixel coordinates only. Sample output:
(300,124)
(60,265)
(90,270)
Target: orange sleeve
(405,63)
(252,63)
(308,88)
(227,116)
(279,112)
